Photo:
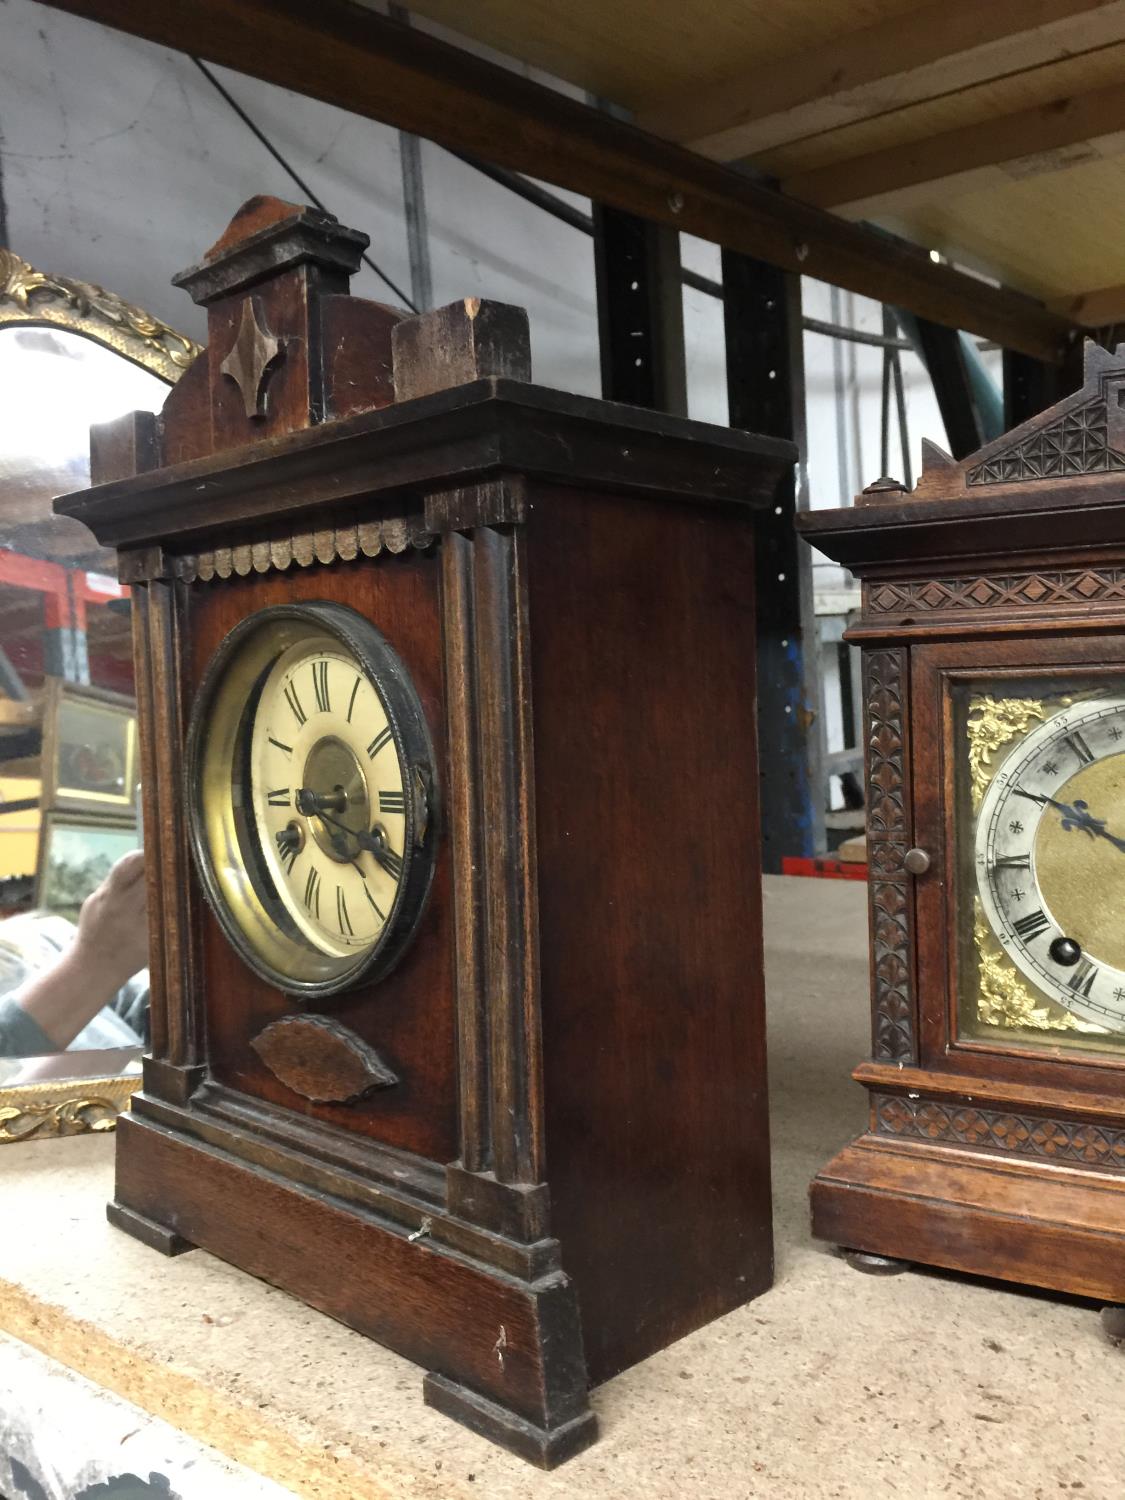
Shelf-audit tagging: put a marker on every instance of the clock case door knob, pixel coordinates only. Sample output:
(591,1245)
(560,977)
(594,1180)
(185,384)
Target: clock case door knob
(917,861)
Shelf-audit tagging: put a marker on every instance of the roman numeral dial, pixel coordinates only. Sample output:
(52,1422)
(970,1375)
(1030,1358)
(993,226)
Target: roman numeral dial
(311,796)
(329,794)
(1049,857)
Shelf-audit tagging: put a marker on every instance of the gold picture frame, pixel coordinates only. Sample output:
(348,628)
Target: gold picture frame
(89,754)
(76,853)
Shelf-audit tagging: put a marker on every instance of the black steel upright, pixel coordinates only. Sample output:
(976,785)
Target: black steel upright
(1030,386)
(944,357)
(640,311)
(765,385)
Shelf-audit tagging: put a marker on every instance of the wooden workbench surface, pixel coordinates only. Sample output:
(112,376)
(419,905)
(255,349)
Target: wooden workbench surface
(830,1385)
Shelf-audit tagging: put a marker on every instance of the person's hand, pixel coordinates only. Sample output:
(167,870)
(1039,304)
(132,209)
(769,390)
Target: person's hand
(110,946)
(113,924)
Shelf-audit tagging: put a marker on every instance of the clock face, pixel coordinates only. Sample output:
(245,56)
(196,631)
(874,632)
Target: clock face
(310,790)
(1049,856)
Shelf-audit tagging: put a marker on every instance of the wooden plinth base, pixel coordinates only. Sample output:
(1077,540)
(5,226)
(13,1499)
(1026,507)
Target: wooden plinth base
(505,1353)
(1035,1222)
(545,1447)
(155,1236)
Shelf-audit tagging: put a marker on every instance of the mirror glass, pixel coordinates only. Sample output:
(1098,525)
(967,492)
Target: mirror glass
(68,765)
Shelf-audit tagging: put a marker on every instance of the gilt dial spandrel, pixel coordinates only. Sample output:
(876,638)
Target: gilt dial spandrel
(1040,793)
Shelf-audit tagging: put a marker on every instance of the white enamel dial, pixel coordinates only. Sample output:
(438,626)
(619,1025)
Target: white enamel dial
(328,796)
(1050,858)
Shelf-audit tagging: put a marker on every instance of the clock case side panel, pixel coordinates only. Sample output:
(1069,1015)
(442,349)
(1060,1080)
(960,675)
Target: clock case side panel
(655,1104)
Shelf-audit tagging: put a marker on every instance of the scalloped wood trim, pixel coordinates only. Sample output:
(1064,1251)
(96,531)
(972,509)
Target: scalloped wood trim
(346,543)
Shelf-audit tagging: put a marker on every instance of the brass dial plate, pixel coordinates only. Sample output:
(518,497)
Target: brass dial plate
(1049,853)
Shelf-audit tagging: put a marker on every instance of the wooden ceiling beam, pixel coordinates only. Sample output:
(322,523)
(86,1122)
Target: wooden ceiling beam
(1047,138)
(939,48)
(361,61)
(1103,308)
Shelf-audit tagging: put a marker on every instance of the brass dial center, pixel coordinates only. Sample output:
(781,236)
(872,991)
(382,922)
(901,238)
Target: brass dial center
(334,778)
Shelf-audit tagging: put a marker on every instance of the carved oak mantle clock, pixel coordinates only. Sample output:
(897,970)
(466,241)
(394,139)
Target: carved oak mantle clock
(448,728)
(993,634)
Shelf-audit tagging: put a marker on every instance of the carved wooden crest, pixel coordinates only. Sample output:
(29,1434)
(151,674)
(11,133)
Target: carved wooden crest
(253,356)
(1081,436)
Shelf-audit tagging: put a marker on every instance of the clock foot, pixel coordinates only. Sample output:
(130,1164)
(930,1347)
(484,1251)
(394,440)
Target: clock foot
(546,1447)
(148,1231)
(874,1265)
(1113,1323)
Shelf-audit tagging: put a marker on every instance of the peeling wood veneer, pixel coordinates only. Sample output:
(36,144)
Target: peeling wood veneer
(322,1060)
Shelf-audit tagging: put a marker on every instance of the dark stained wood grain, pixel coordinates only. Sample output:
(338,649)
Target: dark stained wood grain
(185,419)
(124,447)
(355,340)
(408,1016)
(488,428)
(176,1019)
(509,907)
(437,1308)
(465,822)
(657,1133)
(1058,1228)
(469,340)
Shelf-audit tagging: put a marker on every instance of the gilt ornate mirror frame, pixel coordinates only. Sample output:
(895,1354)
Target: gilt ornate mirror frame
(75,1104)
(31,298)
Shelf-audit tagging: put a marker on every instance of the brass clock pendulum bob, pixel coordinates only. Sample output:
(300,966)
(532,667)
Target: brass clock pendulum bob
(385,591)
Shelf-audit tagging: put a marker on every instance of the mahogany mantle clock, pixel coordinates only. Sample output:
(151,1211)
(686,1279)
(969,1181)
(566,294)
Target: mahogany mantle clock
(993,635)
(448,749)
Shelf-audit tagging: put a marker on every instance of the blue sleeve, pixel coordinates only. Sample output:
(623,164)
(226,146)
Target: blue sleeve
(19,1034)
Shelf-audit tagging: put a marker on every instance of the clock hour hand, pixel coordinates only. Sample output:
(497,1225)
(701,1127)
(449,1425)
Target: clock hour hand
(374,843)
(378,846)
(1076,816)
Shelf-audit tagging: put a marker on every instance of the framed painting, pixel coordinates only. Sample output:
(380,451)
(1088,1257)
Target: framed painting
(89,760)
(76,853)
